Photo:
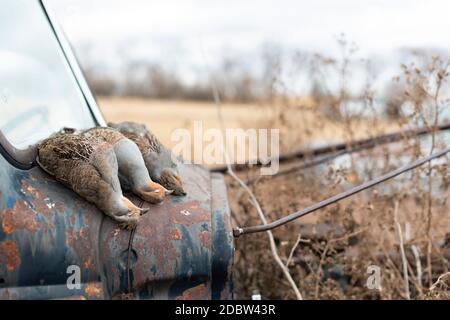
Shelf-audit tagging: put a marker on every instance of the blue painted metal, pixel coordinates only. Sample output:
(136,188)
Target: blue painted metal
(222,241)
(182,249)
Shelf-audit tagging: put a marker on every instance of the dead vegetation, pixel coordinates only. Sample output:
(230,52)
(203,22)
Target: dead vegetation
(401,227)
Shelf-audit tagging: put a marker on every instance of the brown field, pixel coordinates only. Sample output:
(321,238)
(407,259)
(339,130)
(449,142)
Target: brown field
(164,116)
(338,243)
(303,127)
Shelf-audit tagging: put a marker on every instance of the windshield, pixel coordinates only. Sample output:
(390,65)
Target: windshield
(38,92)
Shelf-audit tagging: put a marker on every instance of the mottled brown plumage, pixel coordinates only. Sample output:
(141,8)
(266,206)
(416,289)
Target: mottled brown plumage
(91,170)
(158,159)
(132,171)
(104,134)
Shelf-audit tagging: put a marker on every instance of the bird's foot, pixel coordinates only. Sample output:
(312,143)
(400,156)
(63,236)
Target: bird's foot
(130,219)
(129,222)
(127,225)
(153,193)
(171,180)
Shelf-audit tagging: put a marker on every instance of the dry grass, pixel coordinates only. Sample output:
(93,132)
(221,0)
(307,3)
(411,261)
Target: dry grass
(339,243)
(299,127)
(342,240)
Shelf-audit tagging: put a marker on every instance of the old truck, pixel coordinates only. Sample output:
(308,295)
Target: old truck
(55,245)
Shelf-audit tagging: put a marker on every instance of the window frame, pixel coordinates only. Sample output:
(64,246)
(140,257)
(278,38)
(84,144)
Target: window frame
(26,158)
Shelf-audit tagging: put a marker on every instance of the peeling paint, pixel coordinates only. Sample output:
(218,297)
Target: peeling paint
(94,290)
(41,202)
(169,256)
(176,235)
(19,217)
(185,212)
(205,239)
(81,243)
(5,294)
(196,293)
(9,255)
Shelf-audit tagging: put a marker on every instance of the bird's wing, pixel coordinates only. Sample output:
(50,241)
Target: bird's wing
(103,134)
(105,162)
(154,143)
(61,147)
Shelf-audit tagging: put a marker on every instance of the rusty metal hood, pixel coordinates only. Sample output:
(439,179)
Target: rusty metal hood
(182,248)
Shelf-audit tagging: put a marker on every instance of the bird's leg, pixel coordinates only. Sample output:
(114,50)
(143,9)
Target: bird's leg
(101,189)
(132,168)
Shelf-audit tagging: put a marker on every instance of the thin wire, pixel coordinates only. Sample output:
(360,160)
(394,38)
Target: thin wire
(265,227)
(130,245)
(305,165)
(255,202)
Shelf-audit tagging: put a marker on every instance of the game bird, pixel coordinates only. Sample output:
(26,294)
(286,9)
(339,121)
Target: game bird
(133,174)
(91,170)
(158,159)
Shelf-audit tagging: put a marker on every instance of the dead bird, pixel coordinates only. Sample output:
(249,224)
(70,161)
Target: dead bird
(133,173)
(91,170)
(158,159)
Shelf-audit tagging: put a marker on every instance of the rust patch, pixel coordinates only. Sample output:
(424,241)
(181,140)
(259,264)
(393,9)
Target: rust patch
(153,242)
(155,235)
(80,242)
(205,239)
(176,235)
(199,292)
(5,294)
(194,214)
(19,217)
(93,290)
(9,255)
(159,240)
(73,298)
(88,264)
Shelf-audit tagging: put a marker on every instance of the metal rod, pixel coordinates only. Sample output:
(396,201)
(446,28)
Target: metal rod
(347,147)
(305,165)
(325,159)
(246,230)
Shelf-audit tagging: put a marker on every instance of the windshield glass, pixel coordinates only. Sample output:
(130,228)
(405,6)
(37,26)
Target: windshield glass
(38,92)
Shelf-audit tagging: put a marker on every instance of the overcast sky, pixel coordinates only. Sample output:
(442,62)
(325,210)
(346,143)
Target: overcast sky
(377,26)
(178,32)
